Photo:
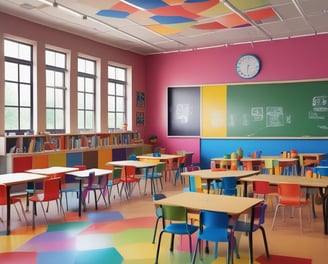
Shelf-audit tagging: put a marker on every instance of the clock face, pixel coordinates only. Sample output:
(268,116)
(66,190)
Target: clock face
(248,66)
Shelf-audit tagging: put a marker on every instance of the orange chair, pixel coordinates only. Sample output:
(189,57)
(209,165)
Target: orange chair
(13,201)
(290,195)
(51,192)
(129,180)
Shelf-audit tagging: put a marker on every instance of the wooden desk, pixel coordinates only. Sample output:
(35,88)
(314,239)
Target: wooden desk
(11,179)
(232,205)
(84,174)
(321,184)
(310,159)
(281,165)
(139,165)
(252,163)
(52,170)
(210,175)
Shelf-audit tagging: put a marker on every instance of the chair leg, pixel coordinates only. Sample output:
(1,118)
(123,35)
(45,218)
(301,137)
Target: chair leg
(195,251)
(158,247)
(23,212)
(155,229)
(265,242)
(275,214)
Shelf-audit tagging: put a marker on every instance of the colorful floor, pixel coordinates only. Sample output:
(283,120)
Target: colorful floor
(103,237)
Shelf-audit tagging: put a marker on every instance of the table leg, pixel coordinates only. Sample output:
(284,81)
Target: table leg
(8,210)
(80,197)
(250,238)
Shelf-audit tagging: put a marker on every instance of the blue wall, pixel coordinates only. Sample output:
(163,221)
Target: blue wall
(213,148)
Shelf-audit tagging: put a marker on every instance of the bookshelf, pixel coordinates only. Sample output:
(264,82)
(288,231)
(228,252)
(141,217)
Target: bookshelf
(21,152)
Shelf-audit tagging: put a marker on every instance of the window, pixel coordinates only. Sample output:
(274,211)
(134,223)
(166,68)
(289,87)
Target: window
(117,82)
(18,87)
(55,94)
(86,94)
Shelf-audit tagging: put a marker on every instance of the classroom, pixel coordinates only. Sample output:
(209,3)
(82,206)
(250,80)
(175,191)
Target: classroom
(180,100)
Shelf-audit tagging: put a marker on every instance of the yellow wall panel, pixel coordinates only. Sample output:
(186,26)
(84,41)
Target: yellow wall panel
(214,111)
(57,159)
(104,155)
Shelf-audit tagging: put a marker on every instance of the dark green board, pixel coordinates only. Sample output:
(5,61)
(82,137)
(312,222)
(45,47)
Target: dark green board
(278,110)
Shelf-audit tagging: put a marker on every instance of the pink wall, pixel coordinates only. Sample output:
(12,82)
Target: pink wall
(282,60)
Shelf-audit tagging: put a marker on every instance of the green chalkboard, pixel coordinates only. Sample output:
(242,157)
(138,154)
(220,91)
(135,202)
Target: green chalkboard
(278,110)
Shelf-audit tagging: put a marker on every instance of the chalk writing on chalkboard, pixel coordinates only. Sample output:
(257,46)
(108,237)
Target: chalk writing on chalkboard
(320,103)
(275,116)
(257,113)
(182,113)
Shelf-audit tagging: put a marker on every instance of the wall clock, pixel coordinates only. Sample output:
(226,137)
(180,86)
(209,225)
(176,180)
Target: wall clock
(248,66)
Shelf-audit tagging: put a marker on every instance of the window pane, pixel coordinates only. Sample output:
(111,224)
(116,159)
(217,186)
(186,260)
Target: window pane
(120,118)
(111,120)
(111,103)
(59,79)
(61,60)
(80,65)
(11,118)
(80,119)
(89,101)
(88,120)
(111,88)
(120,104)
(11,49)
(80,101)
(25,118)
(11,94)
(120,74)
(50,58)
(89,85)
(50,97)
(90,67)
(119,90)
(25,73)
(59,98)
(60,119)
(24,52)
(11,71)
(25,95)
(50,80)
(50,119)
(80,84)
(111,72)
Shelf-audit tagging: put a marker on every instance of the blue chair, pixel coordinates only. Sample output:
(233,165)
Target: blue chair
(259,218)
(229,186)
(177,218)
(323,162)
(215,227)
(155,176)
(158,211)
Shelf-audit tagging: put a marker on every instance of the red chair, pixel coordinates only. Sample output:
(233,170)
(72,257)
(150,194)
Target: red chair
(13,201)
(129,180)
(51,192)
(290,195)
(263,189)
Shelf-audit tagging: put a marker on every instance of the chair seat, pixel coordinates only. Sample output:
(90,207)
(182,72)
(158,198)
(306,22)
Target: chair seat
(180,228)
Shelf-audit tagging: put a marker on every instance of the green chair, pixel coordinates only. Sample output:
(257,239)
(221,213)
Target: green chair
(114,181)
(177,218)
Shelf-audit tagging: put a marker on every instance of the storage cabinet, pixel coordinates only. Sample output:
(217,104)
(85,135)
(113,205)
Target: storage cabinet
(20,153)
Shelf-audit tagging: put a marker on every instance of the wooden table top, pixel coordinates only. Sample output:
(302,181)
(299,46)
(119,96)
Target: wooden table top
(233,205)
(52,170)
(136,163)
(276,179)
(209,174)
(85,173)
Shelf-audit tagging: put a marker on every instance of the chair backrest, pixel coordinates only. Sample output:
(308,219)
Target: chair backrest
(229,185)
(259,213)
(160,167)
(289,194)
(193,168)
(81,167)
(129,171)
(216,220)
(174,213)
(3,194)
(116,175)
(195,184)
(156,197)
(91,179)
(261,187)
(323,162)
(321,172)
(51,189)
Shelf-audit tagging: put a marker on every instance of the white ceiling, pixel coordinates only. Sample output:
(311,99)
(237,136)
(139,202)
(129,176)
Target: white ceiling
(292,18)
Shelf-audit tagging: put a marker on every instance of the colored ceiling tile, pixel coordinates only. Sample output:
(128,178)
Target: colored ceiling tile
(171,19)
(199,6)
(261,14)
(150,4)
(212,25)
(170,11)
(174,2)
(249,4)
(231,20)
(121,6)
(161,29)
(216,10)
(182,26)
(113,13)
